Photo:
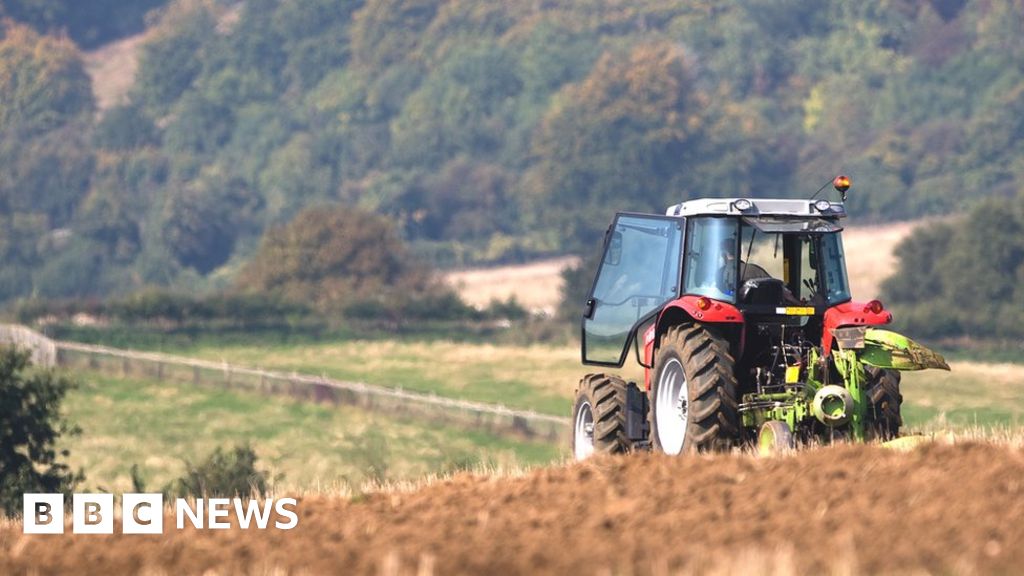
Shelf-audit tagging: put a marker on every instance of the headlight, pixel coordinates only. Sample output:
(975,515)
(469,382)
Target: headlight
(743,204)
(823,205)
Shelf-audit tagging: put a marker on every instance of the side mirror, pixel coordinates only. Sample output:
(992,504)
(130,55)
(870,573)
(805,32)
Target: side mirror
(614,256)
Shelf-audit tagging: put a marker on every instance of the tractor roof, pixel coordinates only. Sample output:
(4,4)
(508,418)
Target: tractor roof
(758,207)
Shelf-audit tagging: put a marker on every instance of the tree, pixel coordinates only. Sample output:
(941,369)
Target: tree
(43,83)
(621,139)
(963,278)
(172,59)
(199,225)
(918,278)
(462,107)
(31,425)
(90,24)
(332,257)
(386,31)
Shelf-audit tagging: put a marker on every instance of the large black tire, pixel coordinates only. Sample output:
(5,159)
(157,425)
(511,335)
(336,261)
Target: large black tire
(605,396)
(883,392)
(711,416)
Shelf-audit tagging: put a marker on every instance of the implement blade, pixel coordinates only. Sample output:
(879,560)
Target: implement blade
(885,349)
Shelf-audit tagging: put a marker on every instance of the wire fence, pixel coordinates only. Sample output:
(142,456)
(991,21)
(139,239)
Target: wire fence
(395,402)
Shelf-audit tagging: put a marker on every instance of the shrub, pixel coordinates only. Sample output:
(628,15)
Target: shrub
(370,452)
(343,259)
(31,424)
(229,474)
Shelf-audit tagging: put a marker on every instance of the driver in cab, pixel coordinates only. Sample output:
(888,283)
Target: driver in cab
(747,270)
(727,272)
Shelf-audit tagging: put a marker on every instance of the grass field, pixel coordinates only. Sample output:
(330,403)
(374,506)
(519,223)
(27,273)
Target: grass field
(530,377)
(319,448)
(543,378)
(157,426)
(971,394)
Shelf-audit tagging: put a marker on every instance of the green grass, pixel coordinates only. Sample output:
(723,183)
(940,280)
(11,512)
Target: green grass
(1001,352)
(972,394)
(159,426)
(540,378)
(543,377)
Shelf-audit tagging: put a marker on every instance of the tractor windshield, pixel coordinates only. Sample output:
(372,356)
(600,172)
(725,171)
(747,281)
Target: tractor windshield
(740,260)
(810,268)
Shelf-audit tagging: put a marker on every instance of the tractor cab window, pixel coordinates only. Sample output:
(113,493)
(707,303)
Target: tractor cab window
(767,276)
(767,261)
(761,255)
(808,269)
(823,269)
(711,264)
(837,287)
(639,273)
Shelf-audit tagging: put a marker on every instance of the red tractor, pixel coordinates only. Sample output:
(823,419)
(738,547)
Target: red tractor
(740,313)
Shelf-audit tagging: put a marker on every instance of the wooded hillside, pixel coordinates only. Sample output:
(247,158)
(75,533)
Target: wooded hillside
(486,131)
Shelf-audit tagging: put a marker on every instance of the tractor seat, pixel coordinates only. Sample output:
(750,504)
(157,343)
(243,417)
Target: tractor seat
(762,291)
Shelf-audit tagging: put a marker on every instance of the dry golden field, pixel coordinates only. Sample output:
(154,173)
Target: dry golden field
(537,285)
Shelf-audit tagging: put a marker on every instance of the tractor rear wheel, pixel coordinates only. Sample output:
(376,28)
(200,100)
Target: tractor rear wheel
(599,416)
(693,392)
(883,391)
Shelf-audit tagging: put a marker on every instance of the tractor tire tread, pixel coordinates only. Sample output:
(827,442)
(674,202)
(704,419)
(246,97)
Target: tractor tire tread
(885,416)
(708,366)
(607,394)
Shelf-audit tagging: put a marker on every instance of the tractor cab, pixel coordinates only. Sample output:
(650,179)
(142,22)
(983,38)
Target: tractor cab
(775,262)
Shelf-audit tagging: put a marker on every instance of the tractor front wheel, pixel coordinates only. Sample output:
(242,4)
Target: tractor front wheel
(693,392)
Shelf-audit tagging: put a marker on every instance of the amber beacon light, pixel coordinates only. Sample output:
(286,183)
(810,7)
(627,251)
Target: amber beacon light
(842,184)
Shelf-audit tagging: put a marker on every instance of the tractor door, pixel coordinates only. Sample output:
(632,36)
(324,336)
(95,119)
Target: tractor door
(639,273)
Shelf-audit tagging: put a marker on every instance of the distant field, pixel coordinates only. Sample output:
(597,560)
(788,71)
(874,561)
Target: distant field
(537,285)
(535,377)
(869,255)
(543,378)
(971,394)
(158,425)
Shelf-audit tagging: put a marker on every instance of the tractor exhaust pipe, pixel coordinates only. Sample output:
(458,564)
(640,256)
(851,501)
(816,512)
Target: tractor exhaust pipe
(832,405)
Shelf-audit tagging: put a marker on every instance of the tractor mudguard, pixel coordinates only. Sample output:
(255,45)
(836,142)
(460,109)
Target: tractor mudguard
(886,349)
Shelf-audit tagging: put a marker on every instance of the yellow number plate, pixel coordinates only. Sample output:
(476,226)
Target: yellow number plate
(796,311)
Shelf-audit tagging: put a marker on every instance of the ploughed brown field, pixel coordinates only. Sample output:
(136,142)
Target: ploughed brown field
(845,509)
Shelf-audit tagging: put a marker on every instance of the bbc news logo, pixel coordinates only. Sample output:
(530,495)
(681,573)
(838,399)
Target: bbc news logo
(144,513)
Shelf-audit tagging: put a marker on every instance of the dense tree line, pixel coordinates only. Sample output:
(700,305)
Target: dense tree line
(90,23)
(484,131)
(964,277)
